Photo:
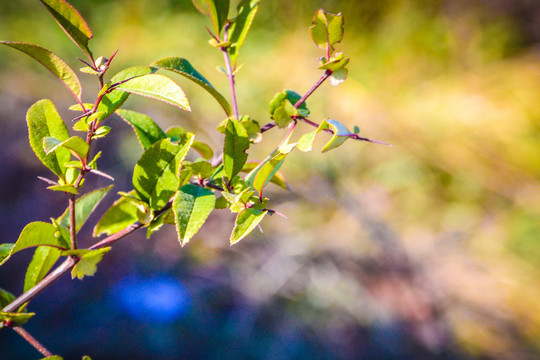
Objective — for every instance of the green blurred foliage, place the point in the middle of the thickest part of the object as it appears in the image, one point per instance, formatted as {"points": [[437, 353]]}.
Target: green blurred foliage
{"points": [[453, 86]]}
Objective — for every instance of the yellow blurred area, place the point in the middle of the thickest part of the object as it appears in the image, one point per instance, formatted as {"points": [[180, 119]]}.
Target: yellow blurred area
{"points": [[441, 230]]}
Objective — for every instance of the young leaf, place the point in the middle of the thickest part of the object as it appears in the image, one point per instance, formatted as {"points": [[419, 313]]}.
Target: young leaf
{"points": [[64, 188], [341, 134], [219, 11], [262, 174], [5, 298], [240, 26], [277, 179], [120, 215], [35, 234], [326, 29], [338, 77], [87, 265], [203, 149], [292, 97], [84, 206], [74, 144], [183, 67], [44, 121], [191, 206], [157, 87], [17, 318], [202, 6], [52, 62], [147, 131], [246, 221], [56, 357], [71, 22], [155, 178], [42, 261], [305, 143], [236, 144]]}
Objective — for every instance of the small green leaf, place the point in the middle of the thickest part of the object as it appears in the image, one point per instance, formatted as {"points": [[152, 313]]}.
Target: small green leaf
{"points": [[155, 177], [81, 125], [44, 121], [247, 9], [203, 149], [305, 143], [5, 251], [236, 144], [191, 206], [17, 318], [101, 131], [88, 260], [54, 357], [277, 179], [341, 134], [64, 188], [219, 11], [338, 77], [120, 215], [336, 63], [246, 221], [253, 129], [292, 97], [201, 168], [5, 298], [88, 70], [265, 171], [183, 67], [282, 115], [326, 29], [52, 62], [34, 234], [202, 6], [42, 261], [157, 87], [84, 206], [147, 131], [74, 144], [71, 22]]}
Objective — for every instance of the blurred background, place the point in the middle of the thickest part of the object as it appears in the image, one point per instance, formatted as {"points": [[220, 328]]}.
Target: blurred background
{"points": [[425, 250]]}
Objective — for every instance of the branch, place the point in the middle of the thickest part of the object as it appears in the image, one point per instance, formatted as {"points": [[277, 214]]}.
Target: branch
{"points": [[303, 99], [230, 73], [30, 339]]}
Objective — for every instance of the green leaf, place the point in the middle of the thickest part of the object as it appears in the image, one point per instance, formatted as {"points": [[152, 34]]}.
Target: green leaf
{"points": [[116, 98], [5, 298], [282, 115], [147, 131], [44, 121], [54, 357], [293, 97], [183, 67], [74, 144], [338, 77], [246, 221], [5, 251], [52, 62], [219, 11], [157, 87], [201, 168], [64, 188], [277, 179], [265, 171], [203, 149], [305, 143], [326, 29], [336, 63], [42, 261], [88, 260], [101, 131], [34, 234], [71, 22], [155, 177], [247, 9], [202, 6], [341, 134], [120, 215], [191, 206], [17, 318], [236, 144], [84, 206]]}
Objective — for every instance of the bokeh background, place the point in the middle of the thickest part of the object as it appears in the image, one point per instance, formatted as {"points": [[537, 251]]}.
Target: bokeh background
{"points": [[425, 250]]}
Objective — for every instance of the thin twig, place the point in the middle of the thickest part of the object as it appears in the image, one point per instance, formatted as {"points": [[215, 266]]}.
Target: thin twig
{"points": [[325, 76], [72, 222], [230, 73], [32, 341]]}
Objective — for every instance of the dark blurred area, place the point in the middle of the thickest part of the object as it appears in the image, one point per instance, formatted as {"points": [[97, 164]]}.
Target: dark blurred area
{"points": [[425, 250]]}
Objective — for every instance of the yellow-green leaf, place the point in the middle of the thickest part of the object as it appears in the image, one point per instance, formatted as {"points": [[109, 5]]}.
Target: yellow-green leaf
{"points": [[191, 206], [246, 221]]}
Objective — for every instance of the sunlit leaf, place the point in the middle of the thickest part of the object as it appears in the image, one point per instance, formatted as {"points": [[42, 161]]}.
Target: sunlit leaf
{"points": [[219, 11], [74, 144], [236, 144], [147, 131], [292, 97], [326, 29], [191, 206], [84, 206], [52, 62], [155, 177], [88, 260], [246, 221], [157, 87], [247, 9], [44, 121], [64, 188], [15, 318], [5, 298], [34, 234], [203, 149], [120, 215], [183, 67], [341, 134], [42, 261], [277, 179], [71, 21]]}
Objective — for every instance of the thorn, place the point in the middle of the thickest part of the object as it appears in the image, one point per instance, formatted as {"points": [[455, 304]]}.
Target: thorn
{"points": [[48, 181], [260, 228], [101, 173]]}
